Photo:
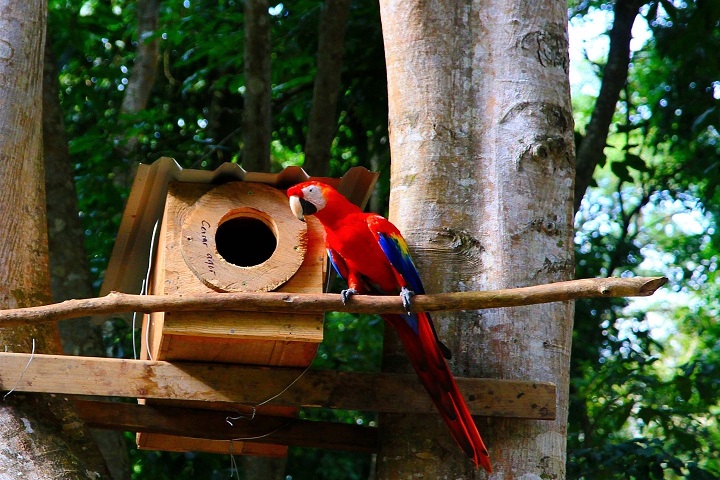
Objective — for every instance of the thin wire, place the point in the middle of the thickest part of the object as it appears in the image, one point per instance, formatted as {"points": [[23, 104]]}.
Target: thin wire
{"points": [[254, 407], [143, 291], [229, 418], [134, 326], [147, 340], [286, 388], [22, 374], [264, 435], [240, 416], [233, 463]]}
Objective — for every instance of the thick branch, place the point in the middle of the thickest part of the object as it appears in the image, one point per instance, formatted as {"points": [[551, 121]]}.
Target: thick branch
{"points": [[590, 151], [308, 303]]}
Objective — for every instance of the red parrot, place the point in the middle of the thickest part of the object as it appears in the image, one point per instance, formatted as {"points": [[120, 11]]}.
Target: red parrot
{"points": [[372, 256]]}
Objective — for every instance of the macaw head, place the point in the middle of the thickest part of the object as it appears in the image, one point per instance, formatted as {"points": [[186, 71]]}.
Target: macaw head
{"points": [[308, 198]]}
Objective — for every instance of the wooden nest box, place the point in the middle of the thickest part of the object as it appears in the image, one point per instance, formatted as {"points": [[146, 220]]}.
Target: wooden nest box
{"points": [[223, 231]]}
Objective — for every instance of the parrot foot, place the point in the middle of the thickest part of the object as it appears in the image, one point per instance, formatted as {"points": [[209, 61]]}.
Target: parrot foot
{"points": [[346, 294], [406, 295]]}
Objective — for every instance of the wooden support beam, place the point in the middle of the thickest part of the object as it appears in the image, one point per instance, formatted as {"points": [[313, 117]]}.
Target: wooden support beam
{"points": [[213, 425], [252, 385], [270, 302]]}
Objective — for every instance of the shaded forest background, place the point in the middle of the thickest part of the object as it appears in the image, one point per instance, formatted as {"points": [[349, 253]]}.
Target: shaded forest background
{"points": [[129, 82]]}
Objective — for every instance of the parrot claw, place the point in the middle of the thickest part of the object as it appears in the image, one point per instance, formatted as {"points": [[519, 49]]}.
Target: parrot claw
{"points": [[346, 294], [406, 295]]}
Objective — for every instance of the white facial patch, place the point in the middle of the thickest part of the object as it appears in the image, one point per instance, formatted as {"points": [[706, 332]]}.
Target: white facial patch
{"points": [[314, 195]]}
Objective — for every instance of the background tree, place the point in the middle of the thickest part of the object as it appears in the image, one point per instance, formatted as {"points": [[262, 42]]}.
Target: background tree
{"points": [[68, 261], [256, 123], [322, 123], [41, 434]]}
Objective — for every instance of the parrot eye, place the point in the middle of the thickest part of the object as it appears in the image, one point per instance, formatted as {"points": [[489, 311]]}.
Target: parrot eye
{"points": [[314, 195]]}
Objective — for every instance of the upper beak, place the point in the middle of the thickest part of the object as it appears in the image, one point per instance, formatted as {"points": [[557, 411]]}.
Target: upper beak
{"points": [[296, 207], [301, 207]]}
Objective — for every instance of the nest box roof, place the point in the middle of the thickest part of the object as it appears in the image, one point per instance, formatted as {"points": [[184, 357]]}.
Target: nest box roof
{"points": [[130, 257]]}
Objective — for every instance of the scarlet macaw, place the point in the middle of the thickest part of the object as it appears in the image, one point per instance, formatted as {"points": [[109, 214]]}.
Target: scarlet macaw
{"points": [[372, 256]]}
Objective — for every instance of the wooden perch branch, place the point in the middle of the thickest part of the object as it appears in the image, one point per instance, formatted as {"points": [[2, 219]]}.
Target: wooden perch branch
{"points": [[115, 302]]}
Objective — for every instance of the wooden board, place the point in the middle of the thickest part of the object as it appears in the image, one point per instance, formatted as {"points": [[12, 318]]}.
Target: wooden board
{"points": [[193, 424], [252, 338], [188, 261], [251, 385], [267, 240], [177, 443], [179, 278]]}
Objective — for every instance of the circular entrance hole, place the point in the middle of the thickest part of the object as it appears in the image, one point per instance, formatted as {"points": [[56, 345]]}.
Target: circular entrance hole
{"points": [[245, 241]]}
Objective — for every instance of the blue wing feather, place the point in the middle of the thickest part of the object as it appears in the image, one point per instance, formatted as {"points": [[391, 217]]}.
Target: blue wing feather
{"points": [[395, 250], [335, 261]]}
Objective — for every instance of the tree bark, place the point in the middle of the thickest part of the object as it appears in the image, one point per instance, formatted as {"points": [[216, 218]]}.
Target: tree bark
{"points": [[322, 124], [140, 84], [256, 122], [256, 136], [42, 436], [69, 267], [591, 149], [145, 67], [482, 182]]}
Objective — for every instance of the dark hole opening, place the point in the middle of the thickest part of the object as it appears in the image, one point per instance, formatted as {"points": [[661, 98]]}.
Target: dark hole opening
{"points": [[245, 241]]}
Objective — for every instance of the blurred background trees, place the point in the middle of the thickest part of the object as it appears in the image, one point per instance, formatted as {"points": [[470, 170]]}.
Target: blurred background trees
{"points": [[140, 80]]}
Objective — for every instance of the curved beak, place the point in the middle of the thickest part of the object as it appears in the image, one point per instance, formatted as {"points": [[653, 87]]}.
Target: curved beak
{"points": [[301, 207], [296, 207]]}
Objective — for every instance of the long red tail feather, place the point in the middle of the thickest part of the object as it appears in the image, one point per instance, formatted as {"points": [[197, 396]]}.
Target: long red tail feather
{"points": [[427, 359]]}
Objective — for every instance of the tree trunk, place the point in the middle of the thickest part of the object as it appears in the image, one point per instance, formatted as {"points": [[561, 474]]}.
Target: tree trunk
{"points": [[256, 120], [482, 185], [42, 437], [145, 67], [322, 124], [592, 147], [256, 131], [140, 84], [69, 268]]}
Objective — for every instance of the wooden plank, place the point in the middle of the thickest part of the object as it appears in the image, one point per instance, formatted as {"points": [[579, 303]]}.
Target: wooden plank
{"points": [[287, 327], [175, 443], [252, 385], [247, 352], [213, 425]]}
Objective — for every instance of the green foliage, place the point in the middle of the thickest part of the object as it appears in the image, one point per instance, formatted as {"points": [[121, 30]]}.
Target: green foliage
{"points": [[644, 399], [644, 388], [195, 110], [645, 377]]}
